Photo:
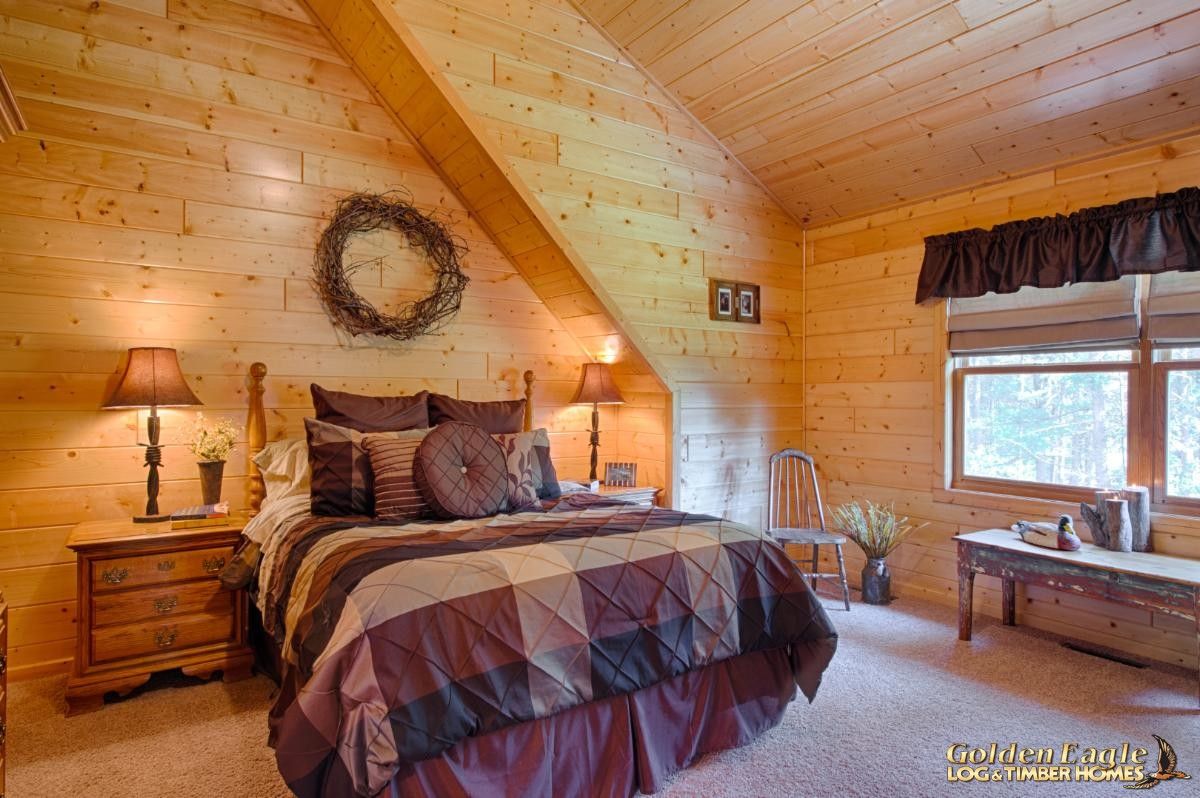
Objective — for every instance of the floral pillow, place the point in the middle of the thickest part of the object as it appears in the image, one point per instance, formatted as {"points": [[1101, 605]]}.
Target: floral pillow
{"points": [[523, 471]]}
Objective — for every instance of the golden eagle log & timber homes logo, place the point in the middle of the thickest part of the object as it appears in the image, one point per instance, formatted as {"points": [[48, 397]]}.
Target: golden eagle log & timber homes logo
{"points": [[1070, 762]]}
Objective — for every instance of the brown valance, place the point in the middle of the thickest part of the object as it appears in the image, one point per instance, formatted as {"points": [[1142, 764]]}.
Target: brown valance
{"points": [[1148, 235]]}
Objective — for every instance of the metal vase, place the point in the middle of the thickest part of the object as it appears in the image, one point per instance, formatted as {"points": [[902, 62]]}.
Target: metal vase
{"points": [[876, 581], [210, 480]]}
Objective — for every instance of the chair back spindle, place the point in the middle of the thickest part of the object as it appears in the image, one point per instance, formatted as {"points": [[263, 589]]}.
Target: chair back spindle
{"points": [[793, 493], [796, 515]]}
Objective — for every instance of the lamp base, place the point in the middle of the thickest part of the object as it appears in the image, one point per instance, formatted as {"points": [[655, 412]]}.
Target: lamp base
{"points": [[150, 519]]}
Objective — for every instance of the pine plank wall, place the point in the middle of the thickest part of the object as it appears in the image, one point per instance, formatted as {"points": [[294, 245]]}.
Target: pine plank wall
{"points": [[874, 382], [655, 206], [181, 159], [184, 154]]}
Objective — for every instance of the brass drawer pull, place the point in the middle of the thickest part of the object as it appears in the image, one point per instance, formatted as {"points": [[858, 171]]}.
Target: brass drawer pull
{"points": [[165, 638], [165, 604], [214, 565], [114, 576], [166, 565]]}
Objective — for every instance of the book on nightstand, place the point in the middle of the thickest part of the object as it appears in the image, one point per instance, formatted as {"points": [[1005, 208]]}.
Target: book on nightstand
{"points": [[200, 516]]}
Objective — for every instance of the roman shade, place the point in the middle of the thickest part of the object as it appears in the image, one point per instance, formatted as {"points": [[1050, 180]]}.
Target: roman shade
{"points": [[1149, 235], [1173, 309], [1074, 316]]}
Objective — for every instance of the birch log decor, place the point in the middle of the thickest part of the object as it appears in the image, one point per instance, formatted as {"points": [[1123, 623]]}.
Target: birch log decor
{"points": [[1139, 516], [1107, 520], [1117, 525]]}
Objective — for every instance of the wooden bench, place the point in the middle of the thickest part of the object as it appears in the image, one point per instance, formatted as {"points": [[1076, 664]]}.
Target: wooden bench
{"points": [[1155, 582]]}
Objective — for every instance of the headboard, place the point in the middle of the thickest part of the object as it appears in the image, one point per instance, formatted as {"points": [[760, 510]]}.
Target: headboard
{"points": [[256, 428]]}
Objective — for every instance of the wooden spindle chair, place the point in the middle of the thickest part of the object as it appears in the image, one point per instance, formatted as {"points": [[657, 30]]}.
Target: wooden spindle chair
{"points": [[792, 496]]}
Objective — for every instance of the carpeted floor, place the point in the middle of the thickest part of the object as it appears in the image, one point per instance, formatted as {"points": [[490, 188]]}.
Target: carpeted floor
{"points": [[900, 691]]}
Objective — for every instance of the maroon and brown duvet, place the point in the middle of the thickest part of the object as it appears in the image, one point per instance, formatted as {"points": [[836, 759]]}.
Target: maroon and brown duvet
{"points": [[400, 641]]}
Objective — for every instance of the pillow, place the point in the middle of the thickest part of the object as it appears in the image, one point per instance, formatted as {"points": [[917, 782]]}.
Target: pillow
{"points": [[545, 478], [342, 480], [370, 413], [460, 471], [523, 470], [396, 495], [284, 468], [493, 417]]}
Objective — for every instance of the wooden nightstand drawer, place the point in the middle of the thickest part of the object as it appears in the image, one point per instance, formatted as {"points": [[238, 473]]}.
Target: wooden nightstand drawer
{"points": [[150, 569], [155, 637], [161, 601], [149, 600]]}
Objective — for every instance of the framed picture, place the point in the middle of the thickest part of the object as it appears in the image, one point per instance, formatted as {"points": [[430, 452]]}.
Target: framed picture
{"points": [[620, 475], [722, 300], [747, 303]]}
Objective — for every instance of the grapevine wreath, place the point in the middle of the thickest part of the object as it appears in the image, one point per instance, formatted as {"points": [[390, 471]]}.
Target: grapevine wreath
{"points": [[362, 213]]}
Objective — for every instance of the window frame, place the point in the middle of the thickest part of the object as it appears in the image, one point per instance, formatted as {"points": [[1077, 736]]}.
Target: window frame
{"points": [[1160, 500], [1039, 490]]}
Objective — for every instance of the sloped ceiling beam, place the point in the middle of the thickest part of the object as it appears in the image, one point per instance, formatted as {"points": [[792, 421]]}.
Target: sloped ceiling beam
{"points": [[384, 50], [11, 120]]}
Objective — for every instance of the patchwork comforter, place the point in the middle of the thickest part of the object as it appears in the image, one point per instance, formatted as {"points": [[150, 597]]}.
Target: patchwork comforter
{"points": [[399, 641]]}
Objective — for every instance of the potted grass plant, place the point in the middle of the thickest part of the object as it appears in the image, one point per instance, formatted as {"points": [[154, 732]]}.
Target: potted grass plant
{"points": [[877, 531], [212, 443]]}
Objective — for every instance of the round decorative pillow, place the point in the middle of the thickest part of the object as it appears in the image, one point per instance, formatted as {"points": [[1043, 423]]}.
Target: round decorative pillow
{"points": [[461, 471]]}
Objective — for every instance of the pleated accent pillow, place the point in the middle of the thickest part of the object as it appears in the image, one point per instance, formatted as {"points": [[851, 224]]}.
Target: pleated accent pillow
{"points": [[461, 472], [397, 497]]}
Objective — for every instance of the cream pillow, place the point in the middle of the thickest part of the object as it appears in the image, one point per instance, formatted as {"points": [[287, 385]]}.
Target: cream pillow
{"points": [[285, 469]]}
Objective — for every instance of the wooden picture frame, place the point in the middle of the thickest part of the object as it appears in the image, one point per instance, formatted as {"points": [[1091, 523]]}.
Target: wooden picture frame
{"points": [[722, 304], [620, 475], [747, 306]]}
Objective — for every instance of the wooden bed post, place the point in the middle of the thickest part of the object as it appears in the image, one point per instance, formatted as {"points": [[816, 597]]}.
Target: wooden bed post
{"points": [[256, 435], [528, 421]]}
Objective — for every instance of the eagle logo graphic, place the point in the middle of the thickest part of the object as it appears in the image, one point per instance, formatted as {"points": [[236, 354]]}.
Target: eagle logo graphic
{"points": [[1166, 768]]}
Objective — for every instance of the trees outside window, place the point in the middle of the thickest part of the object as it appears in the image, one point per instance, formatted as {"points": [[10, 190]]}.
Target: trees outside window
{"points": [[1062, 425]]}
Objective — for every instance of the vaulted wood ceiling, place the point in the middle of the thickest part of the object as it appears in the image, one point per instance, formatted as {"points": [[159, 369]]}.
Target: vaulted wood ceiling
{"points": [[841, 107]]}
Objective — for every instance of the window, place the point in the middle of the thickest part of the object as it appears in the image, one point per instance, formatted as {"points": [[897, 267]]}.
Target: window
{"points": [[1181, 449], [1103, 404]]}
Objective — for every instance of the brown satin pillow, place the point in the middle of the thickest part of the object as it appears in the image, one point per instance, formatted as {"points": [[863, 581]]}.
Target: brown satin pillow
{"points": [[342, 480], [397, 497], [460, 471], [493, 417], [370, 413]]}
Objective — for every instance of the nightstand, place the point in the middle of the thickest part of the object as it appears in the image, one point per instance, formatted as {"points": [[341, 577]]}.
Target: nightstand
{"points": [[149, 600], [641, 494]]}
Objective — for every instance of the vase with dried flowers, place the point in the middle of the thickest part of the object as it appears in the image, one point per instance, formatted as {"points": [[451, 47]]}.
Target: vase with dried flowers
{"points": [[212, 443], [877, 531]]}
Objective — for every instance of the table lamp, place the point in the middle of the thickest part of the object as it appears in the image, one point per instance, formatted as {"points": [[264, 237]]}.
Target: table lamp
{"points": [[152, 379], [596, 387]]}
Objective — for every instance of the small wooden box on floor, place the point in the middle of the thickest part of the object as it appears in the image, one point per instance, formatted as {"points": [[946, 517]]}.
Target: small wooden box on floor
{"points": [[149, 600]]}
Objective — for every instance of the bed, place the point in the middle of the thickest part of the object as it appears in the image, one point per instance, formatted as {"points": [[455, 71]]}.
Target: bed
{"points": [[575, 646]]}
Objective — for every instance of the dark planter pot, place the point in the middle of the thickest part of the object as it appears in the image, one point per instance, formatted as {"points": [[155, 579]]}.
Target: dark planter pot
{"points": [[210, 480], [876, 582]]}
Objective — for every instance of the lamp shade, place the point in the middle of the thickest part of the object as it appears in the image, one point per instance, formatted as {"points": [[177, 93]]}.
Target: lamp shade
{"points": [[152, 379], [596, 386]]}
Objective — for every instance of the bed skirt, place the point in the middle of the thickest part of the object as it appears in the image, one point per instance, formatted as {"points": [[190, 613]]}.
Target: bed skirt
{"points": [[619, 745]]}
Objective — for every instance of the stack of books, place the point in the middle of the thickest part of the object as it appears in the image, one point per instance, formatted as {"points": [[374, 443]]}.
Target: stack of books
{"points": [[200, 515]]}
